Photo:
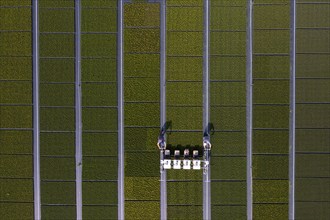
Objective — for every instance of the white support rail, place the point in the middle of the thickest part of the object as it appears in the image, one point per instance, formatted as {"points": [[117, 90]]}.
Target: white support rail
{"points": [[78, 117], [292, 126], [36, 123], [249, 92], [120, 82], [206, 114]]}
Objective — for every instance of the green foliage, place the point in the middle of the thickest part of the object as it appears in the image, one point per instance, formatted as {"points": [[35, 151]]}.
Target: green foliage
{"points": [[318, 165], [134, 92], [15, 18], [228, 118], [184, 93], [184, 138], [142, 164], [15, 92], [101, 119], [58, 192], [15, 44], [185, 118], [142, 40], [182, 193], [228, 193], [56, 212], [141, 15], [142, 65], [99, 193], [12, 166], [270, 191], [227, 43], [57, 144], [272, 211], [16, 190], [270, 166], [56, 70], [312, 189], [271, 16], [104, 144], [182, 176], [99, 168], [98, 70], [305, 139], [228, 143], [141, 114], [98, 3], [57, 94], [100, 212], [313, 41], [271, 41], [228, 3], [57, 168], [16, 68], [184, 3], [141, 138], [271, 92], [93, 20], [185, 43], [310, 210], [313, 15], [185, 212], [272, 1], [9, 210], [57, 119], [15, 142], [184, 68], [271, 116], [231, 68], [228, 18], [270, 141], [271, 67], [229, 212], [141, 210], [96, 94], [227, 93], [56, 20], [99, 45], [16, 184], [56, 3], [16, 116], [230, 168], [184, 18], [15, 3], [312, 90], [313, 116], [142, 188], [57, 45]]}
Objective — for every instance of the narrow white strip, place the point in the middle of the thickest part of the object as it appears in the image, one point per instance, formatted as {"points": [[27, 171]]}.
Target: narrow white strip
{"points": [[206, 110], [36, 129], [292, 128], [120, 78], [163, 181], [78, 119], [249, 90]]}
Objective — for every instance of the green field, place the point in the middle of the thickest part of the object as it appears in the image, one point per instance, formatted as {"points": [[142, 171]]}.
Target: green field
{"points": [[184, 106]]}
